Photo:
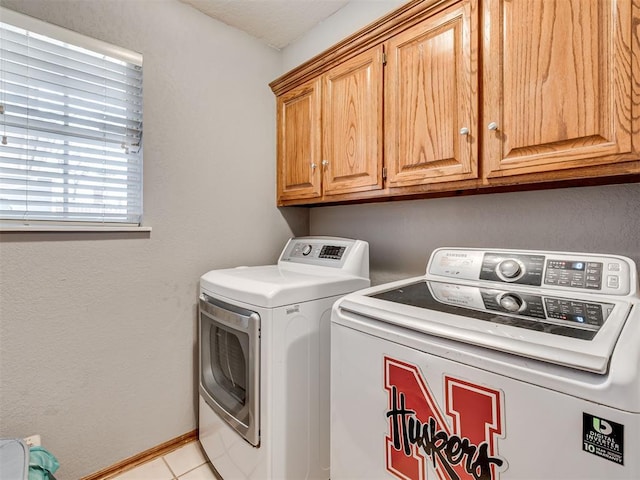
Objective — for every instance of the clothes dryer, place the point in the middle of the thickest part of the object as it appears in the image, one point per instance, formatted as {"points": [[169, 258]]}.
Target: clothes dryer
{"points": [[264, 359]]}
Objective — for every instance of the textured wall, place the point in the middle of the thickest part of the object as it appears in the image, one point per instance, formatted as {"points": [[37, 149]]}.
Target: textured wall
{"points": [[403, 234], [98, 331], [349, 19]]}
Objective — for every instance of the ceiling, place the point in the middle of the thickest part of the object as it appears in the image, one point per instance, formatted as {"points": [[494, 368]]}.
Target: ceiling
{"points": [[275, 22]]}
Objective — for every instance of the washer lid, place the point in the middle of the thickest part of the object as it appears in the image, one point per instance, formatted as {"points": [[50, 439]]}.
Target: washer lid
{"points": [[275, 286], [579, 332]]}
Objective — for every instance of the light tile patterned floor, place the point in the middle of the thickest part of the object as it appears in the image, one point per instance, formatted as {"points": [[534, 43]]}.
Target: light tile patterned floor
{"points": [[185, 463]]}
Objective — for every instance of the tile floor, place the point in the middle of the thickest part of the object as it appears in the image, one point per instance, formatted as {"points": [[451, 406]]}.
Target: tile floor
{"points": [[185, 463]]}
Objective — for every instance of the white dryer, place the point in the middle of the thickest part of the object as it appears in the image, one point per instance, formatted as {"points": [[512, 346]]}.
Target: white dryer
{"points": [[495, 364], [264, 359]]}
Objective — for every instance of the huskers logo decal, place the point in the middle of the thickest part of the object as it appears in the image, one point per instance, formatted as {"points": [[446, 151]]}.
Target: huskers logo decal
{"points": [[462, 450]]}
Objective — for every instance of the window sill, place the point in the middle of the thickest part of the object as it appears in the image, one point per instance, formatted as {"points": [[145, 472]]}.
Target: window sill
{"points": [[70, 228]]}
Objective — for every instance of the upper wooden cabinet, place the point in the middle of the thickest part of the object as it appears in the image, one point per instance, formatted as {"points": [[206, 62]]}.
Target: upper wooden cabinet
{"points": [[431, 99], [558, 85], [329, 130], [352, 125], [473, 95], [299, 147]]}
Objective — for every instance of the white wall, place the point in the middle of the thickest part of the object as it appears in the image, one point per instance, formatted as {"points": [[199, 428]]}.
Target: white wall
{"points": [[98, 331], [402, 234], [349, 19]]}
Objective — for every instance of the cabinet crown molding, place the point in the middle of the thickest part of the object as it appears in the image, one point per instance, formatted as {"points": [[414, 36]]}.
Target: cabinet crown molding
{"points": [[373, 34]]}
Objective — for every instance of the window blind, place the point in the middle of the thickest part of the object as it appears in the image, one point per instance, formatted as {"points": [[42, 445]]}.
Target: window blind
{"points": [[71, 126]]}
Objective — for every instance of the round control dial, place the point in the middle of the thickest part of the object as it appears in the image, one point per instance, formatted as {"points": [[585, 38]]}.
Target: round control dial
{"points": [[511, 302], [306, 250], [510, 270]]}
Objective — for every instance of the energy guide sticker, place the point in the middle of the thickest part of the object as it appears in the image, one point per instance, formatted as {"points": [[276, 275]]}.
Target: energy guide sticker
{"points": [[603, 438]]}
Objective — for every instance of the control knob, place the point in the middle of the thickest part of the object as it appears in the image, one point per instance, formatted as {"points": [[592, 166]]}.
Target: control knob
{"points": [[510, 269], [511, 302], [306, 250]]}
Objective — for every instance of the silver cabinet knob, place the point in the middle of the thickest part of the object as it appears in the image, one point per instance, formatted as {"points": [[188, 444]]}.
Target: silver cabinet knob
{"points": [[313, 166], [464, 131], [325, 163], [493, 126]]}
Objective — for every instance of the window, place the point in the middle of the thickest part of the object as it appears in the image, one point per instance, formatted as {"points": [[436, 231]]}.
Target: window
{"points": [[70, 127]]}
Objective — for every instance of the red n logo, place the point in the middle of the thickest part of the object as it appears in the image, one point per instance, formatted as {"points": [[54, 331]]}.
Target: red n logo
{"points": [[419, 433]]}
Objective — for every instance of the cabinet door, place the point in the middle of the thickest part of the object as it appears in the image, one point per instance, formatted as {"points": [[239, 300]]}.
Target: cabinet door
{"points": [[352, 125], [431, 99], [557, 84], [299, 146]]}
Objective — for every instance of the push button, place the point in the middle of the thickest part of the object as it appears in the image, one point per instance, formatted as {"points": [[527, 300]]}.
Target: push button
{"points": [[613, 281], [613, 267]]}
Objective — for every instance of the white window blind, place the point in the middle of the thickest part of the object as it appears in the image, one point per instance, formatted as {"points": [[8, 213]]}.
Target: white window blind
{"points": [[71, 126]]}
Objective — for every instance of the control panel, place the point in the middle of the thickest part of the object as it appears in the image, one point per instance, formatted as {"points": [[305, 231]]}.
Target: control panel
{"points": [[552, 309], [317, 250], [344, 254], [519, 268], [605, 274], [578, 274]]}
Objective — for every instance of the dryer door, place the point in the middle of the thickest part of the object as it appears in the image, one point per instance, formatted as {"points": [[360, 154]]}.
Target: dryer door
{"points": [[229, 345]]}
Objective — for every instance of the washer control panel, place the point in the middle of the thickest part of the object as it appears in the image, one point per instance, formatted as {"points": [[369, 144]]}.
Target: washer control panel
{"points": [[572, 312], [578, 274], [515, 268], [608, 274]]}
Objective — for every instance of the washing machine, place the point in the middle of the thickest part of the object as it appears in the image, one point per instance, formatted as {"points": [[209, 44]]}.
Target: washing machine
{"points": [[264, 359], [495, 364]]}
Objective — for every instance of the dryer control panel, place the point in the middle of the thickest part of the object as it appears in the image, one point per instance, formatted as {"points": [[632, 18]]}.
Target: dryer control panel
{"points": [[604, 274], [347, 255], [305, 249]]}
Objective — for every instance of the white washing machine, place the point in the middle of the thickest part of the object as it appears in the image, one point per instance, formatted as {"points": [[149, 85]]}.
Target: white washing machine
{"points": [[264, 359], [495, 364]]}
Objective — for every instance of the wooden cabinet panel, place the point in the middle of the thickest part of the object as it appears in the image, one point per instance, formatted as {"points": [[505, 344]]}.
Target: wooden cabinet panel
{"points": [[557, 84], [430, 95], [299, 148], [352, 125]]}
